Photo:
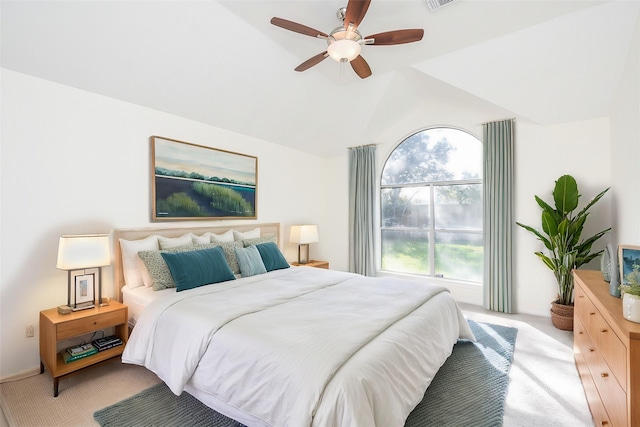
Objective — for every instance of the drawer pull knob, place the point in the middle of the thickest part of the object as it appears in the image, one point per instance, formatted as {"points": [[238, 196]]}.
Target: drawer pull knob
{"points": [[604, 423], [580, 333], [592, 314], [603, 330], [591, 350], [604, 375]]}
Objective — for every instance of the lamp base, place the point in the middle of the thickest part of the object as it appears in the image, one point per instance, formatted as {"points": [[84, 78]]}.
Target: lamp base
{"points": [[83, 306], [303, 254]]}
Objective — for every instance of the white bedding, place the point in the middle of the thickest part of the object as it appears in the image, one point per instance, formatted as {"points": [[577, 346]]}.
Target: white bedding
{"points": [[301, 346], [136, 299]]}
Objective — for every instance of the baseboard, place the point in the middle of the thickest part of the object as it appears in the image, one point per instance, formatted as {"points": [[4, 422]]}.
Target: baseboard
{"points": [[21, 375]]}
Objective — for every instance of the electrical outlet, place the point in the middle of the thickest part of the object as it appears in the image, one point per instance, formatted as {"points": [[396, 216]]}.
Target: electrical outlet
{"points": [[29, 331]]}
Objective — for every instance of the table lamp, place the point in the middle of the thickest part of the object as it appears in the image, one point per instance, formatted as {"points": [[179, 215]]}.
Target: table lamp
{"points": [[303, 235], [76, 254]]}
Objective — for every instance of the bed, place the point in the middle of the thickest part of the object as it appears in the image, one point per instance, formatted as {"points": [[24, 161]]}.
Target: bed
{"points": [[288, 346]]}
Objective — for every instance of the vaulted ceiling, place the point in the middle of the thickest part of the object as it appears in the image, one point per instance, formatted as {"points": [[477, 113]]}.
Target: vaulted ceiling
{"points": [[223, 63]]}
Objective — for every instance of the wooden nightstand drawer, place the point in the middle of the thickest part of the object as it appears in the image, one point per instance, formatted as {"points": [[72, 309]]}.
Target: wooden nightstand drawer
{"points": [[81, 326]]}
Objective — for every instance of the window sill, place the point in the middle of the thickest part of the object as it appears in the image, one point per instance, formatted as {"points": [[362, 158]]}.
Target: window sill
{"points": [[462, 291]]}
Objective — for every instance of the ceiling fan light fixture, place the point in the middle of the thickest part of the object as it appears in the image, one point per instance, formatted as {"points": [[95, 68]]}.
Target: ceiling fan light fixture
{"points": [[344, 50], [344, 45]]}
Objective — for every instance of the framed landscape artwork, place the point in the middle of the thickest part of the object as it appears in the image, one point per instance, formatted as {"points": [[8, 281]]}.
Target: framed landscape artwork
{"points": [[191, 182], [629, 259]]}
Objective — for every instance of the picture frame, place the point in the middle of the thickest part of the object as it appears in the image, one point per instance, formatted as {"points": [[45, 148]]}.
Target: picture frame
{"points": [[84, 290], [97, 277], [628, 259], [196, 182]]}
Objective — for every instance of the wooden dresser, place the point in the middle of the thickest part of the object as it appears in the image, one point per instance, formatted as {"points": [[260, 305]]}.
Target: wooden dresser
{"points": [[607, 352]]}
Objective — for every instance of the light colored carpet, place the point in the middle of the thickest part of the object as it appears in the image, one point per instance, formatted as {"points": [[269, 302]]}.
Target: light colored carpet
{"points": [[544, 387], [30, 403]]}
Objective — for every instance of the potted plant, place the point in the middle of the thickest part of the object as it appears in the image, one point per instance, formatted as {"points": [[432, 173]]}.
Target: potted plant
{"points": [[631, 297], [561, 235]]}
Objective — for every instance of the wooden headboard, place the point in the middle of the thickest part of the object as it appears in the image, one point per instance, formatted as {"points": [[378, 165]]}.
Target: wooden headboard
{"points": [[141, 233]]}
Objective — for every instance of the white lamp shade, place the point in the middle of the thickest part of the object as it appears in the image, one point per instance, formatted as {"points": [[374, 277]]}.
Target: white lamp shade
{"points": [[304, 234], [83, 251], [344, 50]]}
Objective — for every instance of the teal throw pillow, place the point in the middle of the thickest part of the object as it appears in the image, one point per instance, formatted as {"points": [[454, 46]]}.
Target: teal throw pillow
{"points": [[272, 257], [197, 268], [250, 261]]}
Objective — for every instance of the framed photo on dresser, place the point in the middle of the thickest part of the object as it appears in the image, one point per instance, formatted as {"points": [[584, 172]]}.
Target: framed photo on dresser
{"points": [[629, 261]]}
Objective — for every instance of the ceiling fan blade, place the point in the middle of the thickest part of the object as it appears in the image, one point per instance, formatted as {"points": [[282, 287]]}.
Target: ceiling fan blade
{"points": [[356, 9], [396, 37], [298, 28], [361, 67], [312, 61]]}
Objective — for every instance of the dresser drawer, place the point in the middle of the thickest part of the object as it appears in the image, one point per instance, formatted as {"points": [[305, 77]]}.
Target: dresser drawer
{"points": [[585, 309], [614, 398], [583, 343], [83, 325], [600, 417], [612, 349]]}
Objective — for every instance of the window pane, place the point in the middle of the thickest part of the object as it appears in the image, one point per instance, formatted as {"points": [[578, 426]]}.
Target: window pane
{"points": [[458, 206], [459, 256], [434, 155], [405, 251], [405, 207]]}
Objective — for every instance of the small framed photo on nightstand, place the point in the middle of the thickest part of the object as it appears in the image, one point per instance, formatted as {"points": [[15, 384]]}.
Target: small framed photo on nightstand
{"points": [[84, 291]]}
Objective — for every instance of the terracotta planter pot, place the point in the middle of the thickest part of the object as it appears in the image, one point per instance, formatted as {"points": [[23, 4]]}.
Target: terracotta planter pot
{"points": [[562, 316]]}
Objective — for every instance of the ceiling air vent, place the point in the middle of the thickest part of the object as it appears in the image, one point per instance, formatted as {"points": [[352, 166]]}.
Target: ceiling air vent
{"points": [[437, 4]]}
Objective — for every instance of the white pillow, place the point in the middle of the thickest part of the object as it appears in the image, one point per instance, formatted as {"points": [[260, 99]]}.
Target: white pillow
{"points": [[253, 234], [130, 266], [201, 240], [144, 272], [227, 236], [174, 242]]}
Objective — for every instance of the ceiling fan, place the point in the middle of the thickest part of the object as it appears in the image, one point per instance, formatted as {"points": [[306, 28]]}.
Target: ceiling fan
{"points": [[345, 42]]}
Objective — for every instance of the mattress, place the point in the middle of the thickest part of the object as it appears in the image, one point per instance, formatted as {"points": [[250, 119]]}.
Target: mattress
{"points": [[139, 297]]}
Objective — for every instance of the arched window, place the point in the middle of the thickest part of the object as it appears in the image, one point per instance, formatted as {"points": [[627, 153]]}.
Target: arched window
{"points": [[431, 203]]}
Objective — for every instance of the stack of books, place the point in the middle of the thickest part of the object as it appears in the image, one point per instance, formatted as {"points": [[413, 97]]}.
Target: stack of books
{"points": [[107, 342], [78, 352]]}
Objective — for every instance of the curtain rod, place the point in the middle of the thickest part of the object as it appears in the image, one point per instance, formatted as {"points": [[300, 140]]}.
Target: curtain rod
{"points": [[358, 146], [496, 121]]}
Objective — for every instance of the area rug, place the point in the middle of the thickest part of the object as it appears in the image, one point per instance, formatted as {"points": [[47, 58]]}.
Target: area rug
{"points": [[469, 390]]}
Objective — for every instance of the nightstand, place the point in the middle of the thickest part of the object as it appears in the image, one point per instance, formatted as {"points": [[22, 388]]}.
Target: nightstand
{"points": [[56, 327], [314, 263]]}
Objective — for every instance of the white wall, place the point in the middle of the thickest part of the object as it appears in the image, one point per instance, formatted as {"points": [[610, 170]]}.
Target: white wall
{"points": [[75, 162], [625, 150], [543, 154]]}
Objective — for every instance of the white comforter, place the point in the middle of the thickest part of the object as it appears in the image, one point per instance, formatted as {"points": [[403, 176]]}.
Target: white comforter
{"points": [[302, 346]]}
